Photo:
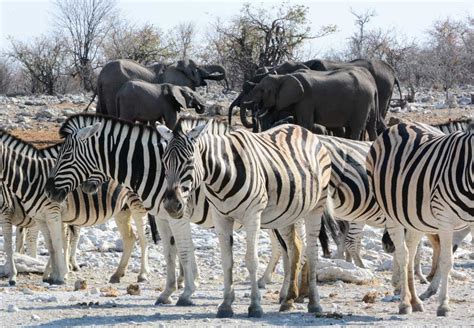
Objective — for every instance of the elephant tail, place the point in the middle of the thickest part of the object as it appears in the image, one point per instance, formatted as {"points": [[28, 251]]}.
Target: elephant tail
{"points": [[92, 100]]}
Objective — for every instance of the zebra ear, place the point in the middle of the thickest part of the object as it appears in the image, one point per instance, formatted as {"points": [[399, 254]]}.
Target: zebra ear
{"points": [[164, 132], [197, 131], [88, 131]]}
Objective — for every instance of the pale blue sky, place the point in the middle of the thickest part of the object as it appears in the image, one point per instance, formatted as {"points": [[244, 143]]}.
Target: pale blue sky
{"points": [[26, 19]]}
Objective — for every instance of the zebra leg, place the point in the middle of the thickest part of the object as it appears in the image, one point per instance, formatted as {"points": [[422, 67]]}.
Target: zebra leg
{"points": [[283, 242], [413, 240], [49, 245], [73, 242], [344, 227], [353, 242], [10, 263], [418, 272], [224, 232], [67, 237], [304, 283], [435, 275], [122, 219], [32, 240], [397, 234], [181, 230], [276, 253], [445, 266], [140, 222], [59, 269], [20, 239], [181, 276], [252, 229], [313, 224], [169, 252], [294, 253], [395, 275]]}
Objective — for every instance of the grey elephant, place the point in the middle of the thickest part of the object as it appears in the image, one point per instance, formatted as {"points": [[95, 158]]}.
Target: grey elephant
{"points": [[285, 68], [147, 102], [183, 73], [384, 75], [345, 98]]}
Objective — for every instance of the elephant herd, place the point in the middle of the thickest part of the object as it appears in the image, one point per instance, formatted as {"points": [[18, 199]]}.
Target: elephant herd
{"points": [[345, 99], [153, 93]]}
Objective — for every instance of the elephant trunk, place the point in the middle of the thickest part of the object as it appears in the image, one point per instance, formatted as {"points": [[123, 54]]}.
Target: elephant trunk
{"points": [[236, 102], [213, 72], [244, 119]]}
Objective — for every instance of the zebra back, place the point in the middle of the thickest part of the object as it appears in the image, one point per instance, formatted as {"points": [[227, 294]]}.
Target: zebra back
{"points": [[456, 125]]}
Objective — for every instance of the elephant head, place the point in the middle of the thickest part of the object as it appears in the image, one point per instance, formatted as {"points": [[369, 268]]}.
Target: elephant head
{"points": [[192, 71], [214, 73], [276, 93], [184, 97]]}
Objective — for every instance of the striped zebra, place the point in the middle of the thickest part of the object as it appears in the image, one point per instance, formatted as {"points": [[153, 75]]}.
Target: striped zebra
{"points": [[270, 180], [24, 177], [424, 182], [119, 149]]}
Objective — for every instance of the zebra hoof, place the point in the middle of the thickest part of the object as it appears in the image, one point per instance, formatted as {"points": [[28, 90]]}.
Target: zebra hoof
{"points": [[261, 284], [225, 311], [404, 309], [299, 299], [427, 294], [418, 307], [161, 301], [315, 308], [114, 279], [184, 302], [443, 311], [12, 282], [286, 306], [255, 312], [142, 278]]}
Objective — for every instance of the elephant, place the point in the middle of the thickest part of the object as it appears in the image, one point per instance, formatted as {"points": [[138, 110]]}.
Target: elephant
{"points": [[345, 98], [285, 68], [147, 102], [183, 73], [383, 73]]}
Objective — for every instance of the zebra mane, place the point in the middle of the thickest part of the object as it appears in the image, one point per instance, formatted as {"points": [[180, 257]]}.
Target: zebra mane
{"points": [[218, 126], [25, 147], [456, 125], [76, 122]]}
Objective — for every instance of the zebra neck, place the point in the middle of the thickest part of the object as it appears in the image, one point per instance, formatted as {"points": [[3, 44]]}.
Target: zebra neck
{"points": [[132, 157]]}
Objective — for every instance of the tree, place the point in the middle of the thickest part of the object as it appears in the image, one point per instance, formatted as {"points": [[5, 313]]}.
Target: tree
{"points": [[87, 23], [44, 61], [448, 59], [144, 44], [183, 40], [5, 76], [357, 43], [259, 37]]}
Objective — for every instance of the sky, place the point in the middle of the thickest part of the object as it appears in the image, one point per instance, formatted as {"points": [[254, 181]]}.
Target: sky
{"points": [[24, 20]]}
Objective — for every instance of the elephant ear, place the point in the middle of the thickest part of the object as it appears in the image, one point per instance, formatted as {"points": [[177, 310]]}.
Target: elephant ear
{"points": [[290, 91], [175, 94]]}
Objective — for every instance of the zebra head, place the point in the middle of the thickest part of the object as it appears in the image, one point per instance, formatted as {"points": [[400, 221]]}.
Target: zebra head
{"points": [[183, 167], [76, 164]]}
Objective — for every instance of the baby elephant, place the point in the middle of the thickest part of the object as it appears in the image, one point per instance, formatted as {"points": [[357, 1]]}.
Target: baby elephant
{"points": [[148, 102]]}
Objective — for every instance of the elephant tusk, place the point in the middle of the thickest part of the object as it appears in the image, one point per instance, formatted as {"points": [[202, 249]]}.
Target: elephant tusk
{"points": [[248, 102], [265, 113]]}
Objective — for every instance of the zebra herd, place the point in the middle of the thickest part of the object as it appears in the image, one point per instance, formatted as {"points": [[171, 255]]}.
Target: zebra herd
{"points": [[412, 177]]}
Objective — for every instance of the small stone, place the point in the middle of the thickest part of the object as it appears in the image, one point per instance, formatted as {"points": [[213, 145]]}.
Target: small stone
{"points": [[109, 291], [35, 317], [80, 284], [133, 289], [12, 308], [73, 298], [95, 291], [370, 297], [27, 291]]}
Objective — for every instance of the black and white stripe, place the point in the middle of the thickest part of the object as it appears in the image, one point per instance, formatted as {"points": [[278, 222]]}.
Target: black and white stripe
{"points": [[24, 170], [269, 180], [424, 182]]}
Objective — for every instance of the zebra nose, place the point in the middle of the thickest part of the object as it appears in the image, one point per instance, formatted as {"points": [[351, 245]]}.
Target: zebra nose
{"points": [[179, 206]]}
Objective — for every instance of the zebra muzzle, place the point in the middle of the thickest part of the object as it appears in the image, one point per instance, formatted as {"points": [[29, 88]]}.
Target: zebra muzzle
{"points": [[57, 195]]}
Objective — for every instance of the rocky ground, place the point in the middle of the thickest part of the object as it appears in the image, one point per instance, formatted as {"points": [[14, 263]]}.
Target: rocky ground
{"points": [[32, 303]]}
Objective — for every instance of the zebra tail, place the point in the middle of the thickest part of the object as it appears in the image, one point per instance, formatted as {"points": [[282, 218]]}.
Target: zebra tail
{"points": [[154, 229]]}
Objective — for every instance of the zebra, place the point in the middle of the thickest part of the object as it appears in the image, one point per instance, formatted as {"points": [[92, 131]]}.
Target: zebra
{"points": [[423, 181], [252, 179], [118, 149], [25, 176]]}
